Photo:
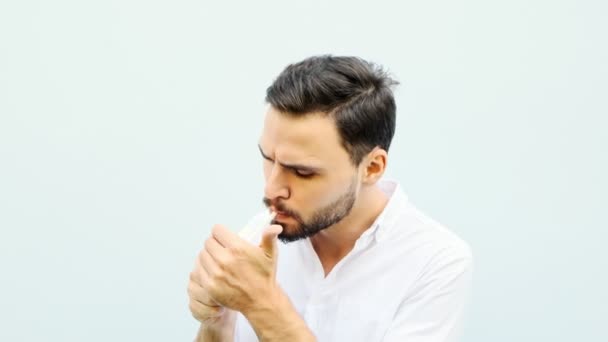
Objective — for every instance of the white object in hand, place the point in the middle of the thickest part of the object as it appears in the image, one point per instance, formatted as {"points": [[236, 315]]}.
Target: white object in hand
{"points": [[256, 225]]}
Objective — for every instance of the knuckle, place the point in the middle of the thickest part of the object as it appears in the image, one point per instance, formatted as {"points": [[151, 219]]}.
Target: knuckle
{"points": [[219, 278], [235, 250], [223, 263], [214, 288], [211, 285], [203, 312], [195, 277]]}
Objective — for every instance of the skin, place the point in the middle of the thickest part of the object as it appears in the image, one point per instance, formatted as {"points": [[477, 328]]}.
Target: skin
{"points": [[306, 169]]}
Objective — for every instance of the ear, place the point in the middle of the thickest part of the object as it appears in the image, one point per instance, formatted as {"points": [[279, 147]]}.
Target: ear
{"points": [[374, 165]]}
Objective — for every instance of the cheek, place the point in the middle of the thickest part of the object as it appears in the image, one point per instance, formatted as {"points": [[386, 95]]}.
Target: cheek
{"points": [[329, 191], [312, 197]]}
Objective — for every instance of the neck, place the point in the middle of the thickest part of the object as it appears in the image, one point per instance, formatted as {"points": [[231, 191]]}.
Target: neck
{"points": [[335, 242]]}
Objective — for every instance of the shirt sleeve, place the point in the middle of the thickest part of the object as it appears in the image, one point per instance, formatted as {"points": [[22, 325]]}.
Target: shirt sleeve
{"points": [[434, 310]]}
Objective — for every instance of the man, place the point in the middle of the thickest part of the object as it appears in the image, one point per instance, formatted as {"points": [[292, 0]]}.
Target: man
{"points": [[358, 261]]}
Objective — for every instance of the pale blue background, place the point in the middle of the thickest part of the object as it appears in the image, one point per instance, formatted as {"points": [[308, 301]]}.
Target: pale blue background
{"points": [[128, 128]]}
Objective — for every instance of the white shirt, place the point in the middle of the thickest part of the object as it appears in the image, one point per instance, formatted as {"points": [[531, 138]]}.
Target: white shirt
{"points": [[406, 279]]}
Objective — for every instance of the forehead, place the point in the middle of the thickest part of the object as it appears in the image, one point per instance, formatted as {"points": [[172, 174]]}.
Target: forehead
{"points": [[312, 136]]}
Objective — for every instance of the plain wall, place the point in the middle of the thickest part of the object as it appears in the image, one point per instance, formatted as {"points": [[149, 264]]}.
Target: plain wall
{"points": [[128, 128]]}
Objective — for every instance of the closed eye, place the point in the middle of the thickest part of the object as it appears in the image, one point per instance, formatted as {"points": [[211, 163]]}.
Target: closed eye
{"points": [[303, 173]]}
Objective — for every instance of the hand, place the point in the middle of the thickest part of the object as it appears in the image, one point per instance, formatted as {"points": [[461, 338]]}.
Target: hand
{"points": [[235, 274], [202, 306]]}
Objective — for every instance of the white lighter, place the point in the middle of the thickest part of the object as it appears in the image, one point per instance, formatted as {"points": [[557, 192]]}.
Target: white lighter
{"points": [[256, 225]]}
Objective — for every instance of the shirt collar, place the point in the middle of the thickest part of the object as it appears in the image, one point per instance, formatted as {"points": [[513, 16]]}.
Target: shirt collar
{"points": [[395, 205]]}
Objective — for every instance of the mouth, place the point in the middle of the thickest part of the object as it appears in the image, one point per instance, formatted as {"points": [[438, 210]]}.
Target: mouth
{"points": [[280, 215]]}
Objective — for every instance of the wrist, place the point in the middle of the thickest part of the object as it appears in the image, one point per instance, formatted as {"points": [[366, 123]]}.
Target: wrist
{"points": [[275, 319], [267, 305], [220, 329]]}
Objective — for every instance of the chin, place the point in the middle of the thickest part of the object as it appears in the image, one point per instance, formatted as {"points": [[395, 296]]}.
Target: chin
{"points": [[288, 228], [290, 233]]}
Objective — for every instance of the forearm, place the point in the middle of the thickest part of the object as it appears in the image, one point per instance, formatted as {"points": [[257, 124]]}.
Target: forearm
{"points": [[278, 321]]}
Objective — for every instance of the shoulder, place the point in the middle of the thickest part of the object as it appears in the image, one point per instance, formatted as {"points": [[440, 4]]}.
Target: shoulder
{"points": [[408, 226], [429, 244]]}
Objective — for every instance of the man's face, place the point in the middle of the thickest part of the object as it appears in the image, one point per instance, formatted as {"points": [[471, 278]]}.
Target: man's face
{"points": [[310, 180]]}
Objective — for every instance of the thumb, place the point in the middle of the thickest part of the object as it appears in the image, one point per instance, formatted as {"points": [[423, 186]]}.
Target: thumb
{"points": [[269, 240]]}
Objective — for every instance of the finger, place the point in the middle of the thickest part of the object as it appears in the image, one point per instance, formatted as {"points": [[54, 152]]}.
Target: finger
{"points": [[198, 293], [208, 265], [203, 312], [200, 275], [269, 240], [216, 250], [226, 237]]}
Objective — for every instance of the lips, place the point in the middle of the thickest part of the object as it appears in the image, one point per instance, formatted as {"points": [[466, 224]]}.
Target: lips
{"points": [[281, 216]]}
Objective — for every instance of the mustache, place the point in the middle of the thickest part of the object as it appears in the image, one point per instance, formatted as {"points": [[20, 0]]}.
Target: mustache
{"points": [[280, 207]]}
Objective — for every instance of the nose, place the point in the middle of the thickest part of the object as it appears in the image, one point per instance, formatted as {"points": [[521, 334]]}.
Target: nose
{"points": [[276, 186]]}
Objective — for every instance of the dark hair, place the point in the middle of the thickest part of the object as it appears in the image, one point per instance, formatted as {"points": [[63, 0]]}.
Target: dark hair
{"points": [[357, 94]]}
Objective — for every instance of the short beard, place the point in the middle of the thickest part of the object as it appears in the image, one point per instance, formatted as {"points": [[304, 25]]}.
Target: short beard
{"points": [[321, 219]]}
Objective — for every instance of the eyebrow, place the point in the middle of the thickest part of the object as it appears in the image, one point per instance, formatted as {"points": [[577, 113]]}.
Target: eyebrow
{"points": [[292, 166]]}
